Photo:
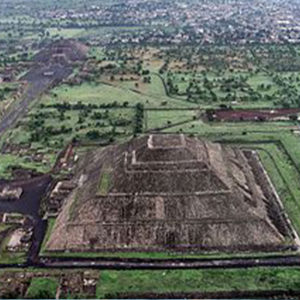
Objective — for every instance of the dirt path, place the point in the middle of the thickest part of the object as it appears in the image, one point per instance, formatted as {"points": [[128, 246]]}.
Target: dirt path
{"points": [[37, 84], [156, 264]]}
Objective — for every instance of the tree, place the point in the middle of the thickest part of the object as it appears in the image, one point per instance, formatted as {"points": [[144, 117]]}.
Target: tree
{"points": [[139, 118], [93, 134]]}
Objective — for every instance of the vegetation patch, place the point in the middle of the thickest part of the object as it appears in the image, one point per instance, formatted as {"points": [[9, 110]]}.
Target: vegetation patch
{"points": [[50, 225], [7, 257], [42, 288], [105, 182], [117, 284]]}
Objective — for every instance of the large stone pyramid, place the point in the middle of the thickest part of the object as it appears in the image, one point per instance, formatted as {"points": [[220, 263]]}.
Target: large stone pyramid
{"points": [[161, 192]]}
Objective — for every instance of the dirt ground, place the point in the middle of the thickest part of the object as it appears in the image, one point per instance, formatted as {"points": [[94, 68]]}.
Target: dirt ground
{"points": [[254, 115]]}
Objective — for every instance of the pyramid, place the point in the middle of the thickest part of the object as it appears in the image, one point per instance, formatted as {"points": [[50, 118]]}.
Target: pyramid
{"points": [[170, 192]]}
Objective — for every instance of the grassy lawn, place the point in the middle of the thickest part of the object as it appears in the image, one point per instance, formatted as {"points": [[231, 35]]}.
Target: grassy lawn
{"points": [[105, 183], [12, 258], [204, 129], [42, 288], [162, 255], [50, 225], [253, 80], [156, 88], [161, 118], [66, 33], [8, 160], [113, 283], [261, 78], [3, 227], [103, 94], [287, 182]]}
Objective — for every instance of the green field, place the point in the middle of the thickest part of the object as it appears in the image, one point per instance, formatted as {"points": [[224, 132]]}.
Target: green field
{"points": [[162, 118], [285, 178], [162, 255], [9, 160], [205, 129], [165, 283], [105, 183], [237, 88], [101, 93], [42, 288], [113, 284]]}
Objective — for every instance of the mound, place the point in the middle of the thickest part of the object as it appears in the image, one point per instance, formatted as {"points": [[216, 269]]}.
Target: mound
{"points": [[54, 63], [62, 51], [163, 192]]}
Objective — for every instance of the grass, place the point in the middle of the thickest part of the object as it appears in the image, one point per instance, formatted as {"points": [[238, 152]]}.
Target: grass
{"points": [[161, 118], [282, 171], [204, 129], [42, 288], [9, 160], [105, 182], [151, 95], [66, 33], [7, 257], [112, 284], [287, 182], [243, 96], [98, 93], [154, 89], [273, 173], [3, 227], [50, 225], [162, 255]]}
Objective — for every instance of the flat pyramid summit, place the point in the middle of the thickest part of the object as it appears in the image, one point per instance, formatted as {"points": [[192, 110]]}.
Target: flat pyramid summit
{"points": [[162, 192]]}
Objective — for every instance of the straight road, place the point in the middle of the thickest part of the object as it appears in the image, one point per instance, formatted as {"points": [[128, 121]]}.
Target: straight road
{"points": [[118, 264], [38, 83]]}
